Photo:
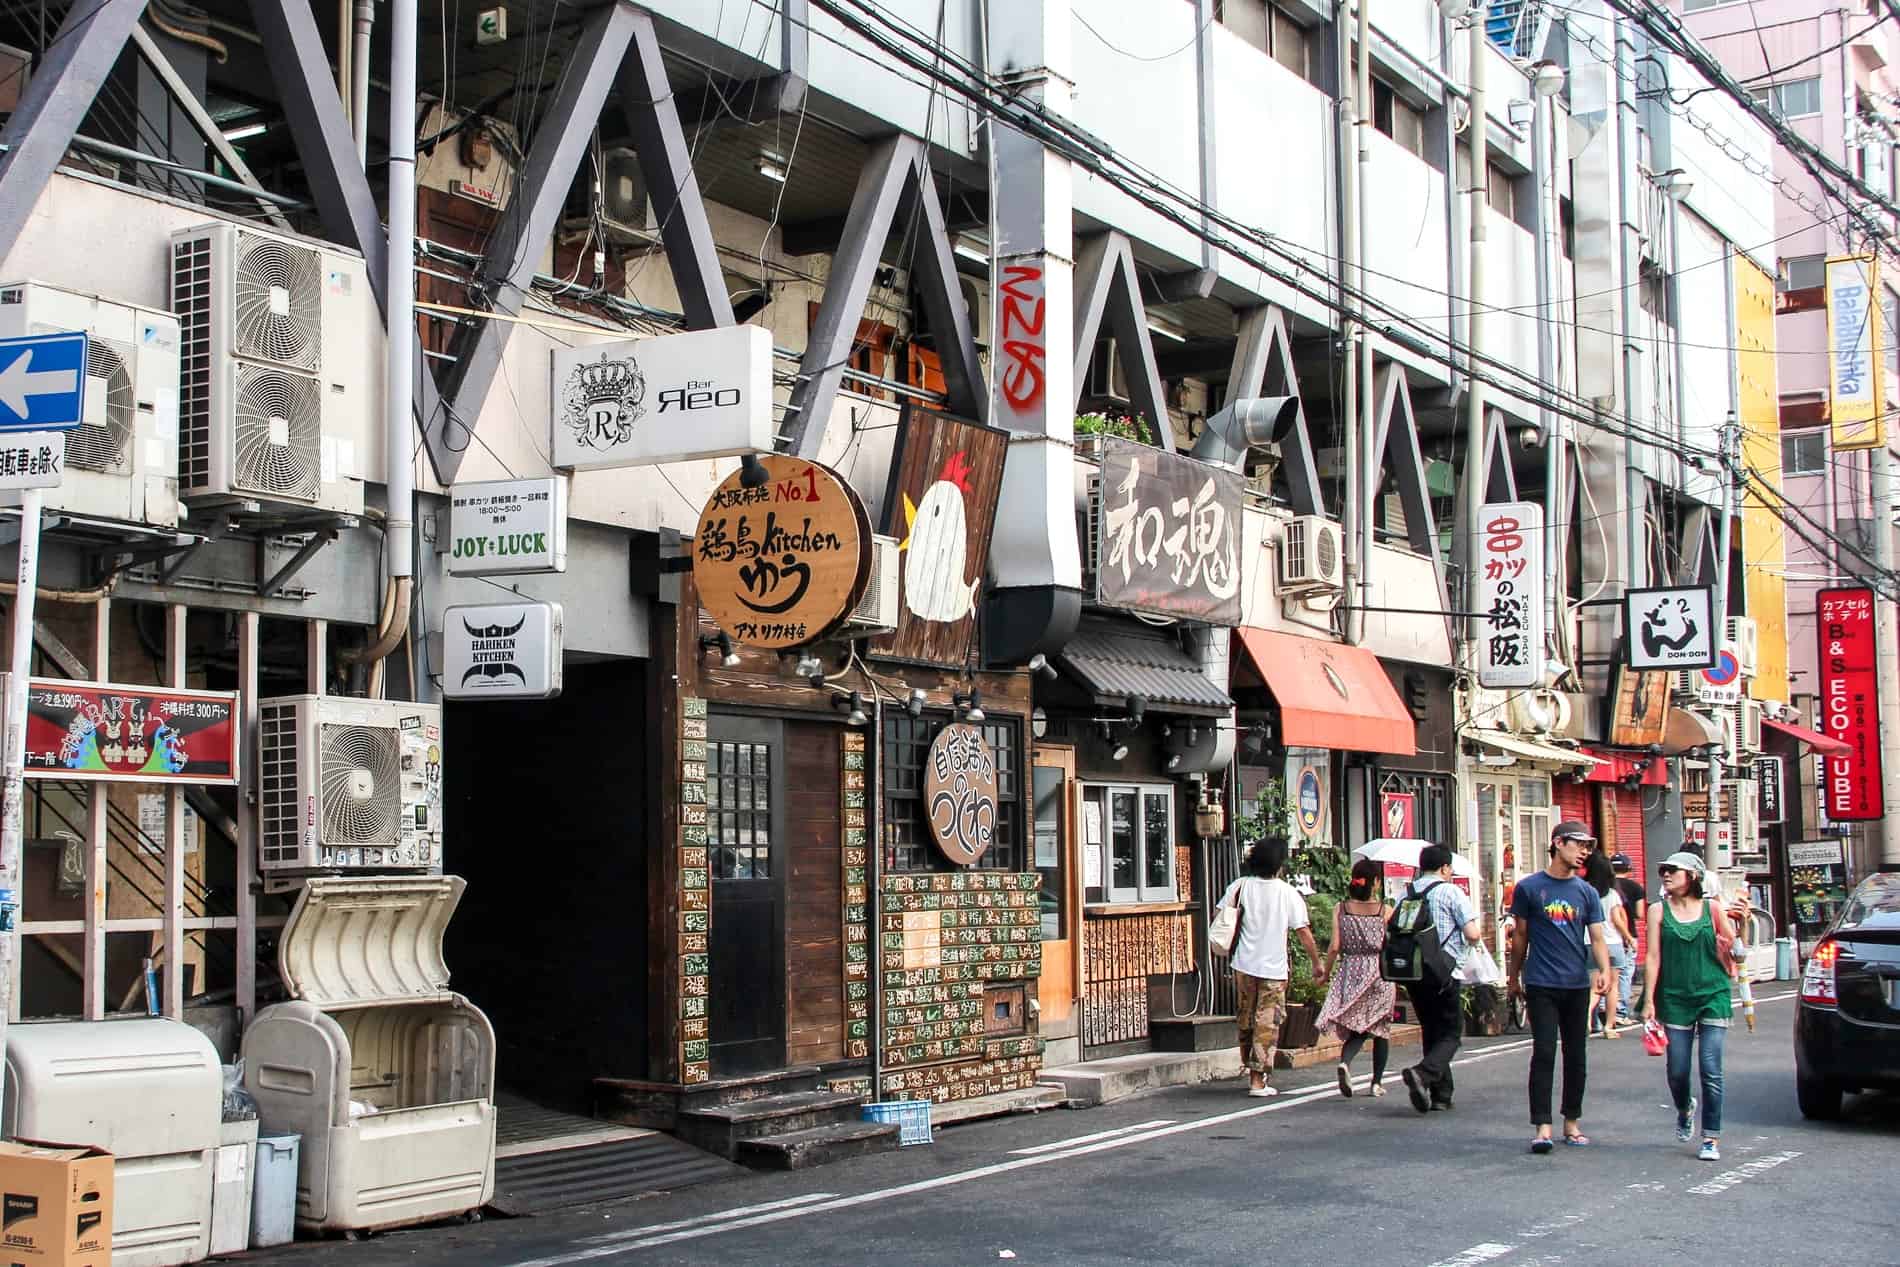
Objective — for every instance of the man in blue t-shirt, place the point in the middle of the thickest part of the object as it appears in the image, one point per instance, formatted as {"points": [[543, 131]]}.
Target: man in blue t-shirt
{"points": [[1560, 962]]}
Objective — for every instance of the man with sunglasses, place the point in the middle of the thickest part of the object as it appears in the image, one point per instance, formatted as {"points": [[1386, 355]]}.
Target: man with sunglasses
{"points": [[1559, 961]]}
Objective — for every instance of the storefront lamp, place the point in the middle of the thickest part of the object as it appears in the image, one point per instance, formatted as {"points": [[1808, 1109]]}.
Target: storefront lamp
{"points": [[914, 705], [1038, 723]]}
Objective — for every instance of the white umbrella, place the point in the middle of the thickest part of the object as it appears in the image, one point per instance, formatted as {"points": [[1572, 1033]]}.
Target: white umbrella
{"points": [[1405, 853]]}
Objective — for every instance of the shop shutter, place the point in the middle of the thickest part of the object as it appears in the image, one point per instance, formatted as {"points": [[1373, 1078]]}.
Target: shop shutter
{"points": [[1630, 840], [1575, 800]]}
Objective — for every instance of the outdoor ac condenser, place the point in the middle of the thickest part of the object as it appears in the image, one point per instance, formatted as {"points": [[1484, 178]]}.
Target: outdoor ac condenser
{"points": [[349, 784]]}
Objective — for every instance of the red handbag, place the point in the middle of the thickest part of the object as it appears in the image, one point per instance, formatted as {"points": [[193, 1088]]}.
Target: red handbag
{"points": [[1655, 1039]]}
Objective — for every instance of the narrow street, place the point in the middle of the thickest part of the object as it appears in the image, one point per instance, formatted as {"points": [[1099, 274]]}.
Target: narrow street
{"points": [[1203, 1174]]}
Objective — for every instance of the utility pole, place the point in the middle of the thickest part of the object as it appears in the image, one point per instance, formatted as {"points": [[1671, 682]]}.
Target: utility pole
{"points": [[1731, 477], [13, 762]]}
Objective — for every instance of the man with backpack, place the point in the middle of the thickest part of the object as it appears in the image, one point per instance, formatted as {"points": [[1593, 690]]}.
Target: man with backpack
{"points": [[1425, 941], [1560, 961]]}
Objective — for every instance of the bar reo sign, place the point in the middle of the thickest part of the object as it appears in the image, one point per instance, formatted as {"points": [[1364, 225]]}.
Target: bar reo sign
{"points": [[1509, 595]]}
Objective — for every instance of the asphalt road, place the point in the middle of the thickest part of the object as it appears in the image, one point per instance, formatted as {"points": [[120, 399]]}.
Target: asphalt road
{"points": [[1207, 1175]]}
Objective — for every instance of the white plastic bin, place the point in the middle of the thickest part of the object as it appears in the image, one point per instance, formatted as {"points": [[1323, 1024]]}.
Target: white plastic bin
{"points": [[148, 1091], [231, 1187], [386, 1074], [274, 1192]]}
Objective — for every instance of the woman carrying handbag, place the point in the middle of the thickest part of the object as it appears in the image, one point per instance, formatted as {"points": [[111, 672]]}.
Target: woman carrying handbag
{"points": [[1691, 959]]}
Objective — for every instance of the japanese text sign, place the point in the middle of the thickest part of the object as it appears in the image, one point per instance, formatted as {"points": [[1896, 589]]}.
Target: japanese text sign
{"points": [[32, 459], [1169, 534], [1850, 702], [1671, 628], [130, 734], [785, 563], [1509, 594], [960, 791], [508, 527], [1768, 789], [1855, 393]]}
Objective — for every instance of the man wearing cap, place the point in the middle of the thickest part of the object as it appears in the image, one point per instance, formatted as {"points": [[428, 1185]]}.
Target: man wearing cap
{"points": [[1636, 906], [1559, 963]]}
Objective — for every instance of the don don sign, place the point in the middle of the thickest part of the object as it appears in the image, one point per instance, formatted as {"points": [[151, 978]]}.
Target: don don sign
{"points": [[782, 564]]}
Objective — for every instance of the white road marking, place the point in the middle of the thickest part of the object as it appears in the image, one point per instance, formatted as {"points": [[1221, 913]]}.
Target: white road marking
{"points": [[1741, 1174], [718, 1216], [667, 1234], [1553, 1226], [1060, 1144], [1484, 1253]]}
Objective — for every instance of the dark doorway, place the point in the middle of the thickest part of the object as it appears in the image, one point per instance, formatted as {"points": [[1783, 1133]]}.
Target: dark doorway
{"points": [[745, 831], [545, 817]]}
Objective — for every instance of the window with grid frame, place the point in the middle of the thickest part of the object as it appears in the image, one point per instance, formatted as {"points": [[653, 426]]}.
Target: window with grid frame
{"points": [[907, 841]]}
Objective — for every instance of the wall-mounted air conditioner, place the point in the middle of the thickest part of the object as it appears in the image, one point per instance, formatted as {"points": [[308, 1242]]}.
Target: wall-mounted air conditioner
{"points": [[1747, 723], [1312, 558], [279, 352], [876, 612], [1106, 380], [1745, 637], [122, 461], [349, 784]]}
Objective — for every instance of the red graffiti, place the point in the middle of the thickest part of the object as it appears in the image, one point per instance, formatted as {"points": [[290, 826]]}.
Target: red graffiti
{"points": [[1023, 351]]}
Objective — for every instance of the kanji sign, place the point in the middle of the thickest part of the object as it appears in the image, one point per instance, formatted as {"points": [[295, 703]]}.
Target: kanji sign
{"points": [[1670, 628], [1509, 593], [32, 459], [130, 734], [960, 793], [1170, 534], [1850, 703], [1768, 776], [1721, 682]]}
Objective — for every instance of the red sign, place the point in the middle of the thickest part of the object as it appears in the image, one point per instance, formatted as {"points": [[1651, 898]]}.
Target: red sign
{"points": [[1398, 815], [130, 734], [1850, 702]]}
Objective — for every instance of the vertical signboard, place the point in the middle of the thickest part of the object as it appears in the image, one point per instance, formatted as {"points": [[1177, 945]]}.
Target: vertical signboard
{"points": [[1850, 703], [1853, 352], [1508, 589], [1768, 791]]}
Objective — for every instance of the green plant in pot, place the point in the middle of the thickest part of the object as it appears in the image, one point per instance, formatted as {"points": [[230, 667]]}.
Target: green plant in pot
{"points": [[1121, 426], [1301, 986]]}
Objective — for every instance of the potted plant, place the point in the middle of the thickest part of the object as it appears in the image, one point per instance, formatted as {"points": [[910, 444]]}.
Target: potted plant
{"points": [[1305, 995], [1090, 427]]}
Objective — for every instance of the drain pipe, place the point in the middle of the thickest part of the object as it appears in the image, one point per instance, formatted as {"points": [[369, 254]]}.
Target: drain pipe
{"points": [[1546, 81], [1478, 207], [1350, 276], [359, 77], [1367, 437]]}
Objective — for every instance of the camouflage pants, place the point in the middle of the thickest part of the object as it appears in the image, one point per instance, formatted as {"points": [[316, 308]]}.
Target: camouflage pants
{"points": [[1262, 1010]]}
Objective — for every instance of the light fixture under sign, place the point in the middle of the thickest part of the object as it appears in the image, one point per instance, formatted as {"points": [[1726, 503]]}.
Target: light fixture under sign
{"points": [[772, 167], [246, 131]]}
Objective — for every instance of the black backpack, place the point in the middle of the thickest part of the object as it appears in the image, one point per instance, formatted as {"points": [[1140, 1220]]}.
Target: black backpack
{"points": [[1413, 953]]}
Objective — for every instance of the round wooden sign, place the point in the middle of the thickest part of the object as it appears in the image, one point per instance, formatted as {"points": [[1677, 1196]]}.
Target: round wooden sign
{"points": [[782, 564], [960, 793]]}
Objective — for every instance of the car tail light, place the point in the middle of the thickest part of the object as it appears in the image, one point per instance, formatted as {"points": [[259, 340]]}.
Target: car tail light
{"points": [[1817, 979]]}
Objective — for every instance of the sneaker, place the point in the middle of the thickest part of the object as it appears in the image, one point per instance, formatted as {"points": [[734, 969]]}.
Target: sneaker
{"points": [[1685, 1131], [1263, 1093], [1378, 1091], [1345, 1081], [1709, 1151], [1415, 1088], [1441, 1106]]}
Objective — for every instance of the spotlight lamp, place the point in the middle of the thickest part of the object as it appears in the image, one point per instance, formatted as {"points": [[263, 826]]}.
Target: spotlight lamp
{"points": [[1121, 750], [752, 472], [914, 705], [853, 708], [971, 705], [1137, 709], [1039, 663]]}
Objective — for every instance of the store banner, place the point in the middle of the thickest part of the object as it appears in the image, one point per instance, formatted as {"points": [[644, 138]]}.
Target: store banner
{"points": [[130, 734], [1850, 703], [1509, 595], [1768, 791], [1168, 535], [1854, 339], [670, 398]]}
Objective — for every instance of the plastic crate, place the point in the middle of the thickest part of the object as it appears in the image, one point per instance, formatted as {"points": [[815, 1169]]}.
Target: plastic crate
{"points": [[912, 1118]]}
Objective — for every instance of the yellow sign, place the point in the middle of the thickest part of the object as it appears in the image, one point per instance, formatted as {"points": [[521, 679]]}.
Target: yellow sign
{"points": [[1763, 533], [1856, 398]]}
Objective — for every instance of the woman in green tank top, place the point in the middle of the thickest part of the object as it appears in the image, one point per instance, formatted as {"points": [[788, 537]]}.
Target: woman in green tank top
{"points": [[1688, 968]]}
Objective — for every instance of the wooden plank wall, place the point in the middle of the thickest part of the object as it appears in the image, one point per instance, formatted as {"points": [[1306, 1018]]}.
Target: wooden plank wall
{"points": [[814, 896]]}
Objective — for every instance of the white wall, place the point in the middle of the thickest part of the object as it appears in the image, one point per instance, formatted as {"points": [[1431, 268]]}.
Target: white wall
{"points": [[1702, 268], [1408, 268], [1737, 202]]}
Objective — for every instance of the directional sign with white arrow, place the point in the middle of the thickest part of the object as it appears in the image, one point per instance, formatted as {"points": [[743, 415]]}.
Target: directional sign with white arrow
{"points": [[42, 382]]}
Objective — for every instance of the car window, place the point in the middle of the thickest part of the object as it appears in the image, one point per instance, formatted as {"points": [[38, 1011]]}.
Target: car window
{"points": [[1876, 905]]}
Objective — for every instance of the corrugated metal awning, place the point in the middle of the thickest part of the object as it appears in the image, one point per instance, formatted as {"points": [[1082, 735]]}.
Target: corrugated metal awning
{"points": [[1114, 664]]}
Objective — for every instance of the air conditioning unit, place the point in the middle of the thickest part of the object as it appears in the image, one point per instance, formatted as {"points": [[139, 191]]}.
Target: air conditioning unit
{"points": [[1091, 534], [1745, 637], [1539, 711], [1747, 805], [1747, 729], [349, 784], [1106, 380], [876, 612], [1312, 558], [624, 203], [122, 461], [279, 377]]}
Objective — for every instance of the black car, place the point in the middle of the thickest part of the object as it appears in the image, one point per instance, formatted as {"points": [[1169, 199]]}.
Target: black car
{"points": [[1847, 1023]]}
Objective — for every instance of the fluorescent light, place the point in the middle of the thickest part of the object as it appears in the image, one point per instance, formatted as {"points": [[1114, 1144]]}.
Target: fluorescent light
{"points": [[246, 131], [971, 248], [772, 166], [1167, 329]]}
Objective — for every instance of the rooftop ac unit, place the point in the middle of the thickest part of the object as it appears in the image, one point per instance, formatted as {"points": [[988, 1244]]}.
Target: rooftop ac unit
{"points": [[122, 461], [276, 369], [349, 784], [876, 612], [1312, 559], [1745, 637], [1106, 380], [1747, 804]]}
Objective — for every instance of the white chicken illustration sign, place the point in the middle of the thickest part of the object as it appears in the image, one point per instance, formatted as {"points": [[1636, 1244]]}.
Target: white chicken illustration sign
{"points": [[941, 507]]}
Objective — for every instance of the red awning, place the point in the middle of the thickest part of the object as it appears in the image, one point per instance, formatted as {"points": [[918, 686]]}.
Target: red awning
{"points": [[1617, 766], [1330, 695], [1801, 734]]}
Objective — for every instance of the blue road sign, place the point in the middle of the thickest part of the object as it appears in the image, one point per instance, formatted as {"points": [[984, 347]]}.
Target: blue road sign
{"points": [[42, 382]]}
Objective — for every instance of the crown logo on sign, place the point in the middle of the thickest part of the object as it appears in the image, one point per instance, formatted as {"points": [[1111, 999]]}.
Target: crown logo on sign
{"points": [[602, 401]]}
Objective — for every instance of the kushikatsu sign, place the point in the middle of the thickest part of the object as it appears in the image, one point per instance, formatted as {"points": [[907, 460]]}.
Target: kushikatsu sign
{"points": [[130, 734], [783, 564], [1169, 539], [941, 507]]}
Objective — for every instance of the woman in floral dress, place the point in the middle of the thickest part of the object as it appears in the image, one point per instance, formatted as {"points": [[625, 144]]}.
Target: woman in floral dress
{"points": [[1359, 1001]]}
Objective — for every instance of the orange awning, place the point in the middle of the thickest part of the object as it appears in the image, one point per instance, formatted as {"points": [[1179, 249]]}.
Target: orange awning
{"points": [[1330, 695]]}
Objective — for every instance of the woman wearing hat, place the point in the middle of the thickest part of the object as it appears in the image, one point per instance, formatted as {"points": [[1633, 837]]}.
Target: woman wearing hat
{"points": [[1691, 958]]}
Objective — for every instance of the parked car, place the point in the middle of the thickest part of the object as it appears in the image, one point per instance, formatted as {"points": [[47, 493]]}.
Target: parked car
{"points": [[1847, 1022]]}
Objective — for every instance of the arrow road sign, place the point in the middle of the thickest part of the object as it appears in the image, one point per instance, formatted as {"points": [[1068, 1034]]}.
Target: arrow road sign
{"points": [[42, 382]]}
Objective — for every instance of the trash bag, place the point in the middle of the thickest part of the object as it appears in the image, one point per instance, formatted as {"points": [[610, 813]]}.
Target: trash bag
{"points": [[239, 1106]]}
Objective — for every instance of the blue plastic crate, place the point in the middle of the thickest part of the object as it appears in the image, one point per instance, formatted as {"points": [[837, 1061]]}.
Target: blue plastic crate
{"points": [[912, 1118]]}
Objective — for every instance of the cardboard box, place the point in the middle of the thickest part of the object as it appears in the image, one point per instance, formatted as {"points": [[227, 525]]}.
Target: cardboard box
{"points": [[55, 1205]]}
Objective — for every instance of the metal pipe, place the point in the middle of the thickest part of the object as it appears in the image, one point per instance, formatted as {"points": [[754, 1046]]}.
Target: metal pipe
{"points": [[1367, 437], [1349, 274], [110, 150], [1554, 522], [359, 77], [343, 50], [400, 365], [1635, 510], [1475, 216]]}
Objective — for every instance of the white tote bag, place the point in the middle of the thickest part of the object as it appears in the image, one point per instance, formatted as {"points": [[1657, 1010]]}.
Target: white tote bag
{"points": [[1478, 967], [1224, 928]]}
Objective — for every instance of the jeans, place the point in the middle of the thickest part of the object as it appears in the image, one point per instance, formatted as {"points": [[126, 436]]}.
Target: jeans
{"points": [[1625, 968], [1558, 1014], [1713, 1038], [1441, 1023]]}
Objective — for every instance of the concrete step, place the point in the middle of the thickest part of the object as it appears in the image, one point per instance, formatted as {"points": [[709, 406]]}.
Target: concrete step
{"points": [[817, 1146], [720, 1128], [1193, 1033], [1100, 1081]]}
